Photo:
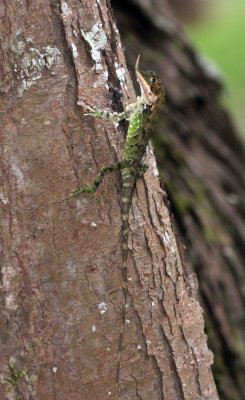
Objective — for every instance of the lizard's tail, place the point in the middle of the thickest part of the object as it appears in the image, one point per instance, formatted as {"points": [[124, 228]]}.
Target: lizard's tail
{"points": [[128, 182], [126, 200], [124, 233]]}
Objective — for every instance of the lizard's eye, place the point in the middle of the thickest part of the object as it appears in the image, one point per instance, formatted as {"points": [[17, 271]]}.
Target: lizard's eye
{"points": [[153, 80]]}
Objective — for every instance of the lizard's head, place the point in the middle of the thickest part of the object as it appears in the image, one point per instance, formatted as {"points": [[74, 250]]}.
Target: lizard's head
{"points": [[151, 85]]}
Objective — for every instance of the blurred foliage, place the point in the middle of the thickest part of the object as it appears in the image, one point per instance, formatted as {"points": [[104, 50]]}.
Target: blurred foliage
{"points": [[220, 36]]}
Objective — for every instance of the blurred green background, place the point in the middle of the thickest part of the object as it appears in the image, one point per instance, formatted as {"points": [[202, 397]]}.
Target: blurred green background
{"points": [[220, 35]]}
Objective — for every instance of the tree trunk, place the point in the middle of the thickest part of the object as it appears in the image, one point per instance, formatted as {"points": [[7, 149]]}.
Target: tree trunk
{"points": [[62, 297], [201, 163]]}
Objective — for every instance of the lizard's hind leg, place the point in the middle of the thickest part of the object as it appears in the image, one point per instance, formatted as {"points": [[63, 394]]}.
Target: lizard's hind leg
{"points": [[99, 178], [142, 169]]}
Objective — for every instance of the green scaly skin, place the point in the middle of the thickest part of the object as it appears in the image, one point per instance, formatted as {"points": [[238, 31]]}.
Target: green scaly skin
{"points": [[141, 116]]}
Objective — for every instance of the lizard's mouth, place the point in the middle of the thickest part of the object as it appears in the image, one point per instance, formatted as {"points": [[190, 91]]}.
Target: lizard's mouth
{"points": [[145, 88]]}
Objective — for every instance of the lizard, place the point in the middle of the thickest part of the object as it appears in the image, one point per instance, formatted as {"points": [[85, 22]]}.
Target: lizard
{"points": [[141, 117]]}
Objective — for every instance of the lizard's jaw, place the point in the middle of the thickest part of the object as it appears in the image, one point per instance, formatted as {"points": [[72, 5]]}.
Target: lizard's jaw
{"points": [[145, 88], [146, 91]]}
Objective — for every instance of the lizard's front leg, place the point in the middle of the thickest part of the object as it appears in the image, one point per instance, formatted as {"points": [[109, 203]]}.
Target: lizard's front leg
{"points": [[106, 115]]}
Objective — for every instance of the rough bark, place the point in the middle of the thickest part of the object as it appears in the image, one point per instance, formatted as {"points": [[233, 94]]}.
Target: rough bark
{"points": [[61, 282], [201, 162]]}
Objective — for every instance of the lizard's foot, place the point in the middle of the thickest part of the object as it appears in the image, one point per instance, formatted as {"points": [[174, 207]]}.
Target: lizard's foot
{"points": [[93, 111], [142, 169], [85, 189]]}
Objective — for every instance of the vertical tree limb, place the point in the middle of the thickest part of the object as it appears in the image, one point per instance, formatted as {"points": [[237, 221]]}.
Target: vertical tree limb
{"points": [[60, 260]]}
